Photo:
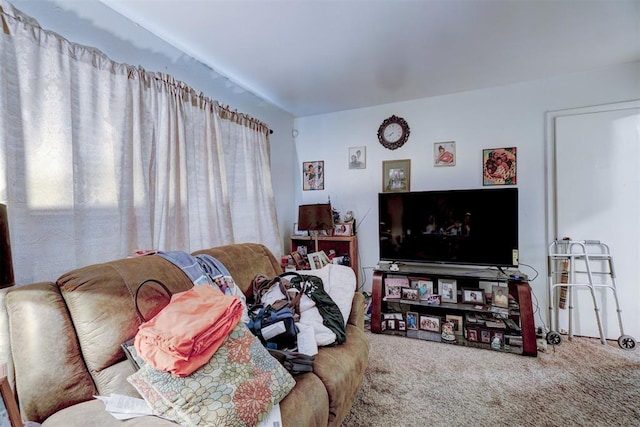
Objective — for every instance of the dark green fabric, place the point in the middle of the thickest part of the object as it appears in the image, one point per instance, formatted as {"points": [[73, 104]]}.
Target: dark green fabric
{"points": [[329, 310]]}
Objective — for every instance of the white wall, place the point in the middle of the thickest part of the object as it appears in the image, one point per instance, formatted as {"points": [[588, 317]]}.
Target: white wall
{"points": [[91, 23], [505, 116]]}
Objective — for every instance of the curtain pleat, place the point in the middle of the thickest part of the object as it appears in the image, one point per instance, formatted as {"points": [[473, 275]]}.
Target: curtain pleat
{"points": [[100, 159]]}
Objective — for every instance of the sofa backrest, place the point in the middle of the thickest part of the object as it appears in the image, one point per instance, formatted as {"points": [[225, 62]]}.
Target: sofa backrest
{"points": [[66, 336]]}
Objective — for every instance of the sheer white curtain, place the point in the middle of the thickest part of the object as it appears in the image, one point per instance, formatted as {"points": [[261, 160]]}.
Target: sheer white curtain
{"points": [[99, 159]]}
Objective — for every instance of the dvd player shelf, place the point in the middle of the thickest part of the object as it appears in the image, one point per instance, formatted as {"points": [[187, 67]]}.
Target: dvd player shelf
{"points": [[438, 303]]}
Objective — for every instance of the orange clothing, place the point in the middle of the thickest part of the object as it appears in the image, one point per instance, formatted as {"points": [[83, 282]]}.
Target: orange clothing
{"points": [[189, 330]]}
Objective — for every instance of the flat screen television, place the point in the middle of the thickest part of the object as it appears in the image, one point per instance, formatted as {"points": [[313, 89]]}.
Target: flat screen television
{"points": [[470, 227]]}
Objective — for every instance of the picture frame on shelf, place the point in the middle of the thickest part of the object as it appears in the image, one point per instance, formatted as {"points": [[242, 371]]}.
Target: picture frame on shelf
{"points": [[9, 412], [358, 157], [297, 232], [400, 281], [410, 294], [391, 324], [423, 285], [433, 299], [396, 176], [500, 296], [343, 229], [402, 326], [444, 153], [412, 320], [448, 290], [313, 175], [472, 335], [485, 336], [393, 291], [317, 260], [457, 323], [430, 323], [473, 296], [298, 260]]}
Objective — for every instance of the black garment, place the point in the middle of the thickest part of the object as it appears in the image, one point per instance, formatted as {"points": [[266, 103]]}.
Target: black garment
{"points": [[313, 287]]}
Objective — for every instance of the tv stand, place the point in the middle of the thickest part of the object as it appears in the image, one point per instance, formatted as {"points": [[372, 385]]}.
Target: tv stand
{"points": [[513, 325]]}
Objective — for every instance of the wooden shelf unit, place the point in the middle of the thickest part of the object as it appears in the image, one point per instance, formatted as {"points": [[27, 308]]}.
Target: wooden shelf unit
{"points": [[342, 245], [518, 286]]}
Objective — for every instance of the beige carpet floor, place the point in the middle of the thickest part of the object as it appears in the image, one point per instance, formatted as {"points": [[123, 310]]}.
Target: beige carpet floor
{"points": [[411, 382]]}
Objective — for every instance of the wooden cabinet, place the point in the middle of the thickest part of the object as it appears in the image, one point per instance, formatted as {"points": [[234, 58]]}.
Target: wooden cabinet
{"points": [[476, 324], [342, 245]]}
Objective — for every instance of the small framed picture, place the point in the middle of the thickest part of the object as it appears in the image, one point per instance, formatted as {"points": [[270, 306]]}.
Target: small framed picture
{"points": [[400, 281], [317, 260], [409, 294], [448, 290], [500, 296], [396, 175], [313, 175], [357, 157], [393, 291], [402, 326], [391, 324], [297, 232], [485, 336], [457, 323], [423, 285], [412, 320], [472, 335], [473, 296], [444, 153], [499, 166], [433, 299], [430, 323], [298, 260], [9, 412], [343, 229]]}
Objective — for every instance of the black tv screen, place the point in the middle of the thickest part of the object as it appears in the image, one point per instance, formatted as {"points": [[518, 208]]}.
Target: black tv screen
{"points": [[474, 227]]}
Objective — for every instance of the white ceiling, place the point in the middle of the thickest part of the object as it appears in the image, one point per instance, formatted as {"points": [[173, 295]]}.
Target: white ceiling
{"points": [[318, 56]]}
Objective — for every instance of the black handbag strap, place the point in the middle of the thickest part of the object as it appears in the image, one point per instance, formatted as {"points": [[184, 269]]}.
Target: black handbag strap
{"points": [[144, 282]]}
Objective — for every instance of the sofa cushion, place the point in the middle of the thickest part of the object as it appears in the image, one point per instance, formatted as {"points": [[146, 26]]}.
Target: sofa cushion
{"points": [[237, 387], [341, 370], [48, 362], [100, 301], [92, 413]]}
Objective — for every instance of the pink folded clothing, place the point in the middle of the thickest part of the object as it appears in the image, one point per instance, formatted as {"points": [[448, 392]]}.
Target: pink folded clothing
{"points": [[189, 330]]}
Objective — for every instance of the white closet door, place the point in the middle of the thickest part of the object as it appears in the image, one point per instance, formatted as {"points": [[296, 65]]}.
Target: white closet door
{"points": [[597, 162]]}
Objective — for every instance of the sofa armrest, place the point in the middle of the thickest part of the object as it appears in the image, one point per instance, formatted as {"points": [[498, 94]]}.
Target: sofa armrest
{"points": [[356, 317]]}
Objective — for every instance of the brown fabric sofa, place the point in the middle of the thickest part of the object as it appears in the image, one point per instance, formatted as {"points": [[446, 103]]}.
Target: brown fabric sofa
{"points": [[65, 342]]}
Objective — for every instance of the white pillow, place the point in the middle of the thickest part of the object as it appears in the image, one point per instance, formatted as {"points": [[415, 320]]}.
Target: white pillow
{"points": [[340, 283]]}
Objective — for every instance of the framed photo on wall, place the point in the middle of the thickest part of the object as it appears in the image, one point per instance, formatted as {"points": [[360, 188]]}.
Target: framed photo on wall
{"points": [[313, 175], [499, 166], [357, 157], [444, 153], [396, 175]]}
